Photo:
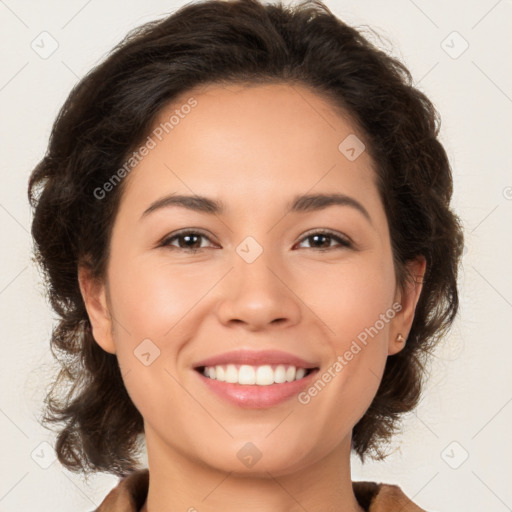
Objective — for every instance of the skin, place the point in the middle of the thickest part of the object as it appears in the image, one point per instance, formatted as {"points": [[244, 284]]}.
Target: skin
{"points": [[254, 148]]}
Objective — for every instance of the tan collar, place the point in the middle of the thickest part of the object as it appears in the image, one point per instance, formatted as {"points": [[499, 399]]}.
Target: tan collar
{"points": [[130, 494]]}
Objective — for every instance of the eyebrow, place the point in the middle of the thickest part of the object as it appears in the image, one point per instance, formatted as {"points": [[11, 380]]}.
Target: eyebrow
{"points": [[299, 204]]}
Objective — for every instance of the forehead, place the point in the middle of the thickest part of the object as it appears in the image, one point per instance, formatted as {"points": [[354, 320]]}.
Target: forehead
{"points": [[252, 142]]}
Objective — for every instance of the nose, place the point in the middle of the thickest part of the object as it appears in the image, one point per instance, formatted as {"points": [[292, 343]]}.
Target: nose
{"points": [[257, 296]]}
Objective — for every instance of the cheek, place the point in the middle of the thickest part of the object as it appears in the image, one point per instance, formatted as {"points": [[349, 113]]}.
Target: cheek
{"points": [[151, 297], [350, 297], [355, 302], [152, 305], [157, 309]]}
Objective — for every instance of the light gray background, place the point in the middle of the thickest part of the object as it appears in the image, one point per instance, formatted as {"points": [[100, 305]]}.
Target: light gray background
{"points": [[467, 404]]}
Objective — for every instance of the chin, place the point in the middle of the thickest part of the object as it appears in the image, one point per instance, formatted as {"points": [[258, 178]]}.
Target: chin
{"points": [[258, 458]]}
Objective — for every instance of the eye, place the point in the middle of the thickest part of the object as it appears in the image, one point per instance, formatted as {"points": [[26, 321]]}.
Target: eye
{"points": [[190, 241], [322, 240]]}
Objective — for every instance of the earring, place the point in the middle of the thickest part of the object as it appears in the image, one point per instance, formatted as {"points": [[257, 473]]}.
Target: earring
{"points": [[400, 338]]}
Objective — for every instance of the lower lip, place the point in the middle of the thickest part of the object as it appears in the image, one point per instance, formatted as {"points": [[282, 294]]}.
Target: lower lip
{"points": [[257, 397]]}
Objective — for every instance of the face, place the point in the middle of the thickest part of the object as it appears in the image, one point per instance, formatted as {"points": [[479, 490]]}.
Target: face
{"points": [[219, 261]]}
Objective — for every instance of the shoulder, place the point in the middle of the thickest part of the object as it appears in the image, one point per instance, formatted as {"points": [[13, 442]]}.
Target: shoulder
{"points": [[374, 497], [128, 495], [131, 492]]}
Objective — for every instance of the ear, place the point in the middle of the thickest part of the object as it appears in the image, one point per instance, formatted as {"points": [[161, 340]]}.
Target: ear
{"points": [[407, 297], [95, 299]]}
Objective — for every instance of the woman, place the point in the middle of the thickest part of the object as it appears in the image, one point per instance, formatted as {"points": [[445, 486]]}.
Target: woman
{"points": [[244, 219]]}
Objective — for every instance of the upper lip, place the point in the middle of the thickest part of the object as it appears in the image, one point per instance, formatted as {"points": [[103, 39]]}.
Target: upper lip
{"points": [[255, 358]]}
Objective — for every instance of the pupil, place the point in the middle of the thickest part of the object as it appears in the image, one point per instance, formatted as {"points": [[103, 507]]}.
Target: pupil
{"points": [[188, 239], [317, 237]]}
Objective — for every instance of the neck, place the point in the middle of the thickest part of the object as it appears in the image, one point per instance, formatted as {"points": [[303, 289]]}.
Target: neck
{"points": [[178, 483]]}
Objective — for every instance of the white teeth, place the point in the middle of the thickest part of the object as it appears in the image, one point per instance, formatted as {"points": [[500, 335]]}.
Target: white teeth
{"points": [[264, 375], [219, 370], [300, 373], [280, 374], [290, 373], [231, 374], [248, 375]]}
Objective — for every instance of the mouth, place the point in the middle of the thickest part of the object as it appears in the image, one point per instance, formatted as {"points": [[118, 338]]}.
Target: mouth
{"points": [[255, 387], [255, 379], [251, 375]]}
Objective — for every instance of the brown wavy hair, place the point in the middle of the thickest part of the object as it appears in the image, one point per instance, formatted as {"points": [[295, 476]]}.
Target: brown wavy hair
{"points": [[114, 107]]}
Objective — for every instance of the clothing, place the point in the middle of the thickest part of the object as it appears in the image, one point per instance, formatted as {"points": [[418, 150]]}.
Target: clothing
{"points": [[130, 494]]}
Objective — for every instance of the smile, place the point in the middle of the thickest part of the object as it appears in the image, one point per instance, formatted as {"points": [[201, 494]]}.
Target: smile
{"points": [[265, 392], [248, 375]]}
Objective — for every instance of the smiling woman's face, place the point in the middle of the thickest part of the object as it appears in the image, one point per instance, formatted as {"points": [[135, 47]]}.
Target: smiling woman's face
{"points": [[259, 281]]}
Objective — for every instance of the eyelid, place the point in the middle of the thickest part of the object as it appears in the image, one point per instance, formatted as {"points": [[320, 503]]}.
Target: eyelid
{"points": [[343, 240], [165, 241]]}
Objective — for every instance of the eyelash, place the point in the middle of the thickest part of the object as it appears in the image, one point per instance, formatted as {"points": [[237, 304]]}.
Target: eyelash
{"points": [[344, 243]]}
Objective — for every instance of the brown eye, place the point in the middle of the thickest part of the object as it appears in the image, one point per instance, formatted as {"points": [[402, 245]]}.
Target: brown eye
{"points": [[323, 240], [190, 241]]}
